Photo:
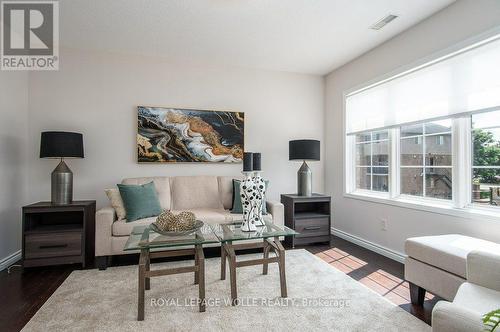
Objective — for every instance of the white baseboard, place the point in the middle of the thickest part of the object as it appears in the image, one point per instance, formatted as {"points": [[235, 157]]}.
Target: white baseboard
{"points": [[9, 260], [394, 255]]}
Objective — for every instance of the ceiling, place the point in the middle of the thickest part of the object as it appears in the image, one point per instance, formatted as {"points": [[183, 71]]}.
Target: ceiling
{"points": [[304, 36]]}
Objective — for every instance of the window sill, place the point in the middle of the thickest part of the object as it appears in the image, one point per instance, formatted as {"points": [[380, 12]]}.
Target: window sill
{"points": [[428, 205]]}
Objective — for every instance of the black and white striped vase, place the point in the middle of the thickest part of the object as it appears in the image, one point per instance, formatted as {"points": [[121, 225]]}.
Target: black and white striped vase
{"points": [[248, 194], [260, 187]]}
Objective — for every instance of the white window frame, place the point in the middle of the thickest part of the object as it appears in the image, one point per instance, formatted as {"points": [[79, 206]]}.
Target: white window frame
{"points": [[461, 204], [424, 167], [371, 166], [471, 167]]}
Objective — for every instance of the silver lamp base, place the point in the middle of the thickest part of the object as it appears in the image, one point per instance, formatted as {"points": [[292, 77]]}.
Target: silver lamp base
{"points": [[304, 180], [62, 184]]}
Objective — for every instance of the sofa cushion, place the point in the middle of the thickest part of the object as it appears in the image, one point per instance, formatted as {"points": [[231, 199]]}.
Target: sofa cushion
{"points": [[195, 192], [162, 186], [124, 228], [476, 298], [209, 216], [226, 190], [140, 201], [115, 199], [447, 252]]}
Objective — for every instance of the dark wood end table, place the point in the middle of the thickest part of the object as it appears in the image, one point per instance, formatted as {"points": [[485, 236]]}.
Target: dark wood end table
{"points": [[58, 234], [308, 215]]}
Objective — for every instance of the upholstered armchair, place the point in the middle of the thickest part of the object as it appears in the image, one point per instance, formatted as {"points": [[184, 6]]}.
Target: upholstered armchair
{"points": [[476, 297]]}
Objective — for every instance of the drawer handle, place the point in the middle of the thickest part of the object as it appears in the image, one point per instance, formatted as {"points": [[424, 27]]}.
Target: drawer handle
{"points": [[54, 246], [310, 228]]}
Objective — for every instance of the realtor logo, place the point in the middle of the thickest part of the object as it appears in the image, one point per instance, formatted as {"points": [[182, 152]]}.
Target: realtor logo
{"points": [[29, 35]]}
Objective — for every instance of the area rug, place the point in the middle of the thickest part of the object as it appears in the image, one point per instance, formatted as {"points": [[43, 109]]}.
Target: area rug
{"points": [[321, 298]]}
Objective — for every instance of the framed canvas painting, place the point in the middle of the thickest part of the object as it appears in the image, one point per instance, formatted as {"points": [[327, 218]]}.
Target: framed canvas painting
{"points": [[189, 135]]}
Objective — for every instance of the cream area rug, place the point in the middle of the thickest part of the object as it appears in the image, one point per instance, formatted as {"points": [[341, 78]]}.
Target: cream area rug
{"points": [[321, 298]]}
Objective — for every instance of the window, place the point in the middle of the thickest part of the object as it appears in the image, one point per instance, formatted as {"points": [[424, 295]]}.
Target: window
{"points": [[432, 131], [426, 159], [486, 158], [372, 161]]}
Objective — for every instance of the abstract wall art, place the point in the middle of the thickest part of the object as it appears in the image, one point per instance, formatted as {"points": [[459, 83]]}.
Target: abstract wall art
{"points": [[189, 135]]}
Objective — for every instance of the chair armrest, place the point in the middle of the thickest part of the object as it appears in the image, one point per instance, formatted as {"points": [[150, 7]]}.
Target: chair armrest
{"points": [[449, 317], [104, 219], [483, 269], [277, 210]]}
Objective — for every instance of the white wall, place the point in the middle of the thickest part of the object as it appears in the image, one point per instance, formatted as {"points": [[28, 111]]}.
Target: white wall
{"points": [[97, 94], [13, 161], [455, 23]]}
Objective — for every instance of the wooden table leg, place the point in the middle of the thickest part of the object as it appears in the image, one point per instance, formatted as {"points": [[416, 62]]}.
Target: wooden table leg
{"points": [[222, 263], [148, 268], [267, 247], [232, 271], [281, 264], [201, 276], [196, 263], [142, 284]]}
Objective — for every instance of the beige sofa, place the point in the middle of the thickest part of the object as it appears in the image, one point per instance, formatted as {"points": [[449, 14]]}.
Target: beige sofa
{"points": [[438, 264], [477, 296], [208, 197]]}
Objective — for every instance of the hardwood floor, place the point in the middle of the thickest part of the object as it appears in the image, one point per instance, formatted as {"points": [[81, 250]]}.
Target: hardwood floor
{"points": [[23, 293], [379, 273]]}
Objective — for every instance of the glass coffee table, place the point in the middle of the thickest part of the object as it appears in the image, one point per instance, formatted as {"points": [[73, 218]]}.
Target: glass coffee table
{"points": [[155, 245], [270, 233]]}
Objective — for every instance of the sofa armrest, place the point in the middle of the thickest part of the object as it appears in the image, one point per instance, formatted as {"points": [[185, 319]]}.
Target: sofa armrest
{"points": [[104, 219], [277, 210], [450, 317], [483, 269]]}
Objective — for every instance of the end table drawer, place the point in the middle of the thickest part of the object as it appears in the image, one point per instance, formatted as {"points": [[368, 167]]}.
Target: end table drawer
{"points": [[312, 227], [53, 245]]}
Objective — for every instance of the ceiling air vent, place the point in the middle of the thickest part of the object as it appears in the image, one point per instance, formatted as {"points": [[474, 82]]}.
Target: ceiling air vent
{"points": [[383, 22]]}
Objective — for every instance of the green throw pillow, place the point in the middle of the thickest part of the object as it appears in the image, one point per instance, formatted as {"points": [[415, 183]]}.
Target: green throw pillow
{"points": [[237, 206], [140, 201]]}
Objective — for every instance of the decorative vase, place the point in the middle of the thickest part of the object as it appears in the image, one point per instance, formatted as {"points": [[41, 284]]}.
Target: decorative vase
{"points": [[248, 201], [260, 188]]}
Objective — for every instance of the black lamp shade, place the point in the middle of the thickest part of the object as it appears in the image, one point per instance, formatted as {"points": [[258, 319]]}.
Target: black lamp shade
{"points": [[61, 144], [256, 161], [303, 149], [247, 161]]}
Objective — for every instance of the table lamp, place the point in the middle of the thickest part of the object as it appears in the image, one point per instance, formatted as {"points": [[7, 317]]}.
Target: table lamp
{"points": [[60, 145], [304, 149]]}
